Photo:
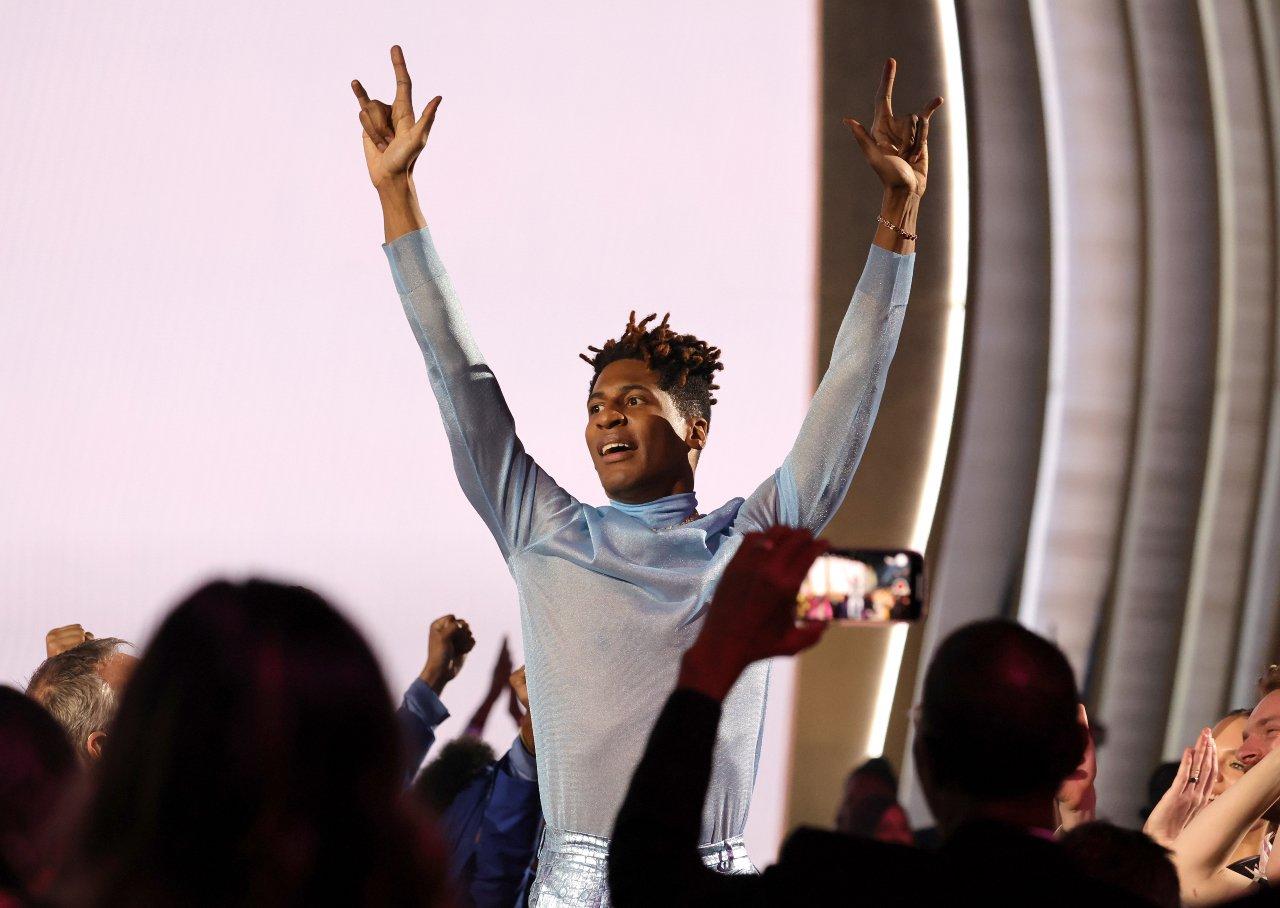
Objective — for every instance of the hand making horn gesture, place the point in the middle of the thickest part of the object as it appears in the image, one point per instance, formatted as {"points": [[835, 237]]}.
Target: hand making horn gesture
{"points": [[896, 147], [393, 138]]}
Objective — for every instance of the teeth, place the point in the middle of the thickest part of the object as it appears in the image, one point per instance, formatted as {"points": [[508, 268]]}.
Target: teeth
{"points": [[615, 446]]}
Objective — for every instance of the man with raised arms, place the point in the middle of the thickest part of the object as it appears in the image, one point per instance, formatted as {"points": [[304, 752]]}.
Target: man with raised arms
{"points": [[611, 596]]}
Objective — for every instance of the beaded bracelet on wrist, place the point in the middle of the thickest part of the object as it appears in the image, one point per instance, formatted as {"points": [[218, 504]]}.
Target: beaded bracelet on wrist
{"points": [[895, 228]]}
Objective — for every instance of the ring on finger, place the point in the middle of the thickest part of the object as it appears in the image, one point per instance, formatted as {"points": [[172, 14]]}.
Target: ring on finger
{"points": [[1195, 780]]}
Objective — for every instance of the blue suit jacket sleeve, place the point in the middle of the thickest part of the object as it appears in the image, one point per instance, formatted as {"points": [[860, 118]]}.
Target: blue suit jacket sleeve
{"points": [[508, 832], [419, 715]]}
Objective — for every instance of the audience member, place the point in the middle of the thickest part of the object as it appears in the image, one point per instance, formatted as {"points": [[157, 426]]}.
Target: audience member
{"points": [[255, 760], [421, 711], [81, 686], [488, 808], [489, 811], [1191, 789], [878, 817], [1125, 860], [37, 767], [998, 732], [1205, 850], [870, 806]]}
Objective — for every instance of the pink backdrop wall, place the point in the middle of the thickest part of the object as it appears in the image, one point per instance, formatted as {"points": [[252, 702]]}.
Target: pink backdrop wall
{"points": [[203, 364]]}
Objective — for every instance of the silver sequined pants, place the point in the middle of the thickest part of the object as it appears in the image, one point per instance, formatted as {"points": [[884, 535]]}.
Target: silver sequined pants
{"points": [[573, 868]]}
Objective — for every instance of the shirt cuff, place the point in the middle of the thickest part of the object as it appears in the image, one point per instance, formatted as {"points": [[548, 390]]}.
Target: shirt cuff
{"points": [[522, 763], [424, 703], [414, 260]]}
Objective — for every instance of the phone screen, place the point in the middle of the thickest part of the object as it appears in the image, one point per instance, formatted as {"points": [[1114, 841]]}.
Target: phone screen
{"points": [[866, 586]]}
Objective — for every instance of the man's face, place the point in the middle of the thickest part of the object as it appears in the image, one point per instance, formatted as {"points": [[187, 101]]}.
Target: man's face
{"points": [[641, 446], [1260, 734]]}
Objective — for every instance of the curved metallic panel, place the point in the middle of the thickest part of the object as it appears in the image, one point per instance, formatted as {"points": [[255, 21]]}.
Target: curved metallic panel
{"points": [[977, 547], [1181, 282], [1256, 645], [1242, 386], [1095, 200]]}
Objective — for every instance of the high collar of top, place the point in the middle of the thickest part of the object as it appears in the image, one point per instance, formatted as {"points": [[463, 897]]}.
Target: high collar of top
{"points": [[661, 512]]}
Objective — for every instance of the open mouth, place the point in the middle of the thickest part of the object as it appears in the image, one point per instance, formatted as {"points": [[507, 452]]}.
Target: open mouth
{"points": [[612, 451]]}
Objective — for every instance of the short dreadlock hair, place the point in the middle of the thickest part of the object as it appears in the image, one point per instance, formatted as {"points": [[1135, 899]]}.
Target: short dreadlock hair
{"points": [[685, 365]]}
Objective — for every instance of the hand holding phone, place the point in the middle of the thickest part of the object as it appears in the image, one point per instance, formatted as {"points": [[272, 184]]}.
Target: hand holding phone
{"points": [[867, 586]]}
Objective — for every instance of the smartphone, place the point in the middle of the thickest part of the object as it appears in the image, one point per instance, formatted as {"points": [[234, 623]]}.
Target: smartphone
{"points": [[864, 586]]}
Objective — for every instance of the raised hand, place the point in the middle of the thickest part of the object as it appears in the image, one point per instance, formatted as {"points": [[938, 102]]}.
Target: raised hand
{"points": [[61, 639], [448, 643], [393, 138], [896, 147], [1191, 790], [752, 615]]}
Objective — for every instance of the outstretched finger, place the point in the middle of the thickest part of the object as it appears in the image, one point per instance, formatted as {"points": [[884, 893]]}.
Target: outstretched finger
{"points": [[884, 93], [428, 117], [403, 106], [361, 95], [918, 147], [865, 141]]}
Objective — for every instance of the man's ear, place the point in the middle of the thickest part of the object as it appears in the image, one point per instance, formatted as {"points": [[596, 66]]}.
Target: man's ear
{"points": [[695, 435], [93, 744]]}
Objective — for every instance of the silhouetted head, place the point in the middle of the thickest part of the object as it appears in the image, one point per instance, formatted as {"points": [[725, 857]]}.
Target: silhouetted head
{"points": [[649, 410], [81, 688], [998, 721], [876, 816], [255, 760], [1125, 860], [37, 767], [460, 762]]}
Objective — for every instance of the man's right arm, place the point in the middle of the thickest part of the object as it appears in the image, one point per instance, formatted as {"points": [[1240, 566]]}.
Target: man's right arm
{"points": [[516, 499]]}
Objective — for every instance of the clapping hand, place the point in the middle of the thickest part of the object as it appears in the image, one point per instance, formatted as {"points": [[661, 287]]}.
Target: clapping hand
{"points": [[1191, 790]]}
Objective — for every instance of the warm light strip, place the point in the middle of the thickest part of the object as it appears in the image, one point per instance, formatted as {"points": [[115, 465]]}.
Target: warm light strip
{"points": [[957, 156], [1050, 439], [957, 152], [888, 685]]}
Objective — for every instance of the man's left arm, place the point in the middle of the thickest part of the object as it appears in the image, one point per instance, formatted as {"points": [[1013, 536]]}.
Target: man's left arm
{"points": [[810, 485]]}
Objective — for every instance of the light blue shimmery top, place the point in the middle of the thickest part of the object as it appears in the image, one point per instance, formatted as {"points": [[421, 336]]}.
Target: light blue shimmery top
{"points": [[611, 597]]}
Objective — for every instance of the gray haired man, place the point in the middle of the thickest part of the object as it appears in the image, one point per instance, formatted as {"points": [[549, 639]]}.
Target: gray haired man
{"points": [[81, 685]]}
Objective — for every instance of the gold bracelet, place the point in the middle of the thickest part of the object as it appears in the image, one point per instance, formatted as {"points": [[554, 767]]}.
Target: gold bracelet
{"points": [[896, 229]]}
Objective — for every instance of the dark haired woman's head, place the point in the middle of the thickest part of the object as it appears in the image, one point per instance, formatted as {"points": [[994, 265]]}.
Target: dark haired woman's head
{"points": [[998, 718], [37, 768], [649, 409], [255, 759]]}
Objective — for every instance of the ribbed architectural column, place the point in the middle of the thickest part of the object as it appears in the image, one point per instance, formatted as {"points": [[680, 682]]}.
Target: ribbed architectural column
{"points": [[1242, 383], [1257, 642], [1095, 176], [1170, 152]]}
